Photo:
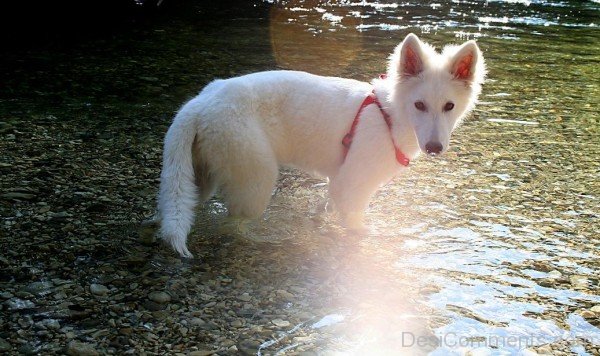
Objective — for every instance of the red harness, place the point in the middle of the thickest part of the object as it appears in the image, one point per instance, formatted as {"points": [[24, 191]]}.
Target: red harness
{"points": [[347, 140]]}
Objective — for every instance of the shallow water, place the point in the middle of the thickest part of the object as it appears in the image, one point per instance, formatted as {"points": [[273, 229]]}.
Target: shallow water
{"points": [[492, 248]]}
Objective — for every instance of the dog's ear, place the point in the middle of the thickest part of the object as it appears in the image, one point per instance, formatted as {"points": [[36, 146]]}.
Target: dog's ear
{"points": [[411, 57], [464, 63]]}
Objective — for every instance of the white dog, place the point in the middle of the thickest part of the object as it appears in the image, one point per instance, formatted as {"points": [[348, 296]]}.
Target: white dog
{"points": [[237, 132]]}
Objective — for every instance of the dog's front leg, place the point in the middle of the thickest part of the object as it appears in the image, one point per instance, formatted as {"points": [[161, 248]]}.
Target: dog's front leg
{"points": [[351, 194]]}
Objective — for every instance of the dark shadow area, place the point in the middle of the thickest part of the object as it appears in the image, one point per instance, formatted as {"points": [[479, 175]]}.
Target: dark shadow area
{"points": [[51, 23]]}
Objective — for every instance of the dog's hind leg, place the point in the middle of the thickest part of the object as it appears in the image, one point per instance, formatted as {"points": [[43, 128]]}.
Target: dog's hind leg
{"points": [[205, 180], [249, 174]]}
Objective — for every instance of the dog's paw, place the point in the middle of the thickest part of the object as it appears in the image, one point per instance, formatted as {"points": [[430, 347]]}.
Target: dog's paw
{"points": [[354, 221], [234, 225], [184, 253], [364, 231], [147, 232], [179, 245]]}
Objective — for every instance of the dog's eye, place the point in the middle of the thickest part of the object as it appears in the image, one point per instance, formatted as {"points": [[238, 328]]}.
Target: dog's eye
{"points": [[449, 106], [420, 106]]}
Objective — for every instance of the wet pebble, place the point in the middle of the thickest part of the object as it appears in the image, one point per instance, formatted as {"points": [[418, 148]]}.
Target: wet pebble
{"points": [[544, 350], [227, 343], [245, 297], [579, 281], [27, 349], [38, 288], [147, 233], [51, 324], [17, 196], [61, 215], [197, 322], [17, 304], [542, 266], [153, 306], [248, 347], [159, 297], [98, 289], [281, 323], [4, 345], [285, 294], [587, 314], [126, 331], [202, 353], [554, 274], [429, 289], [76, 348]]}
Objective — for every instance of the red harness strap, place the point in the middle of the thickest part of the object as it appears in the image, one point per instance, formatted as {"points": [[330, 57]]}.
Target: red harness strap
{"points": [[347, 140]]}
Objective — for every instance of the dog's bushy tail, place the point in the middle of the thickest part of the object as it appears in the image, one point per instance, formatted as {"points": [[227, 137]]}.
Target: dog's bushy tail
{"points": [[177, 197]]}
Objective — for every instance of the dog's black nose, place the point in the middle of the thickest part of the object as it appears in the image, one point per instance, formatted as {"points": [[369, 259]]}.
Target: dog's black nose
{"points": [[433, 148]]}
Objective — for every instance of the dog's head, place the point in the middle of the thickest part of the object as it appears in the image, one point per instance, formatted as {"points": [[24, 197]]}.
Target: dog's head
{"points": [[435, 91]]}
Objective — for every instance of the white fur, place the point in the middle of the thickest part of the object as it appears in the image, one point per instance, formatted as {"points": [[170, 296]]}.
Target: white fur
{"points": [[237, 132]]}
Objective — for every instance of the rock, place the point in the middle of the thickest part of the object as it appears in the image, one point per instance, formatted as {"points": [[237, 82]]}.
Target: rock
{"points": [[147, 232], [149, 79], [27, 350], [227, 343], [202, 353], [70, 335], [245, 297], [209, 326], [579, 281], [285, 294], [237, 323], [6, 295], [159, 297], [154, 306], [38, 288], [61, 215], [4, 345], [76, 348], [542, 266], [98, 289], [99, 333], [51, 324], [126, 331], [44, 209], [587, 314], [197, 322], [248, 347], [161, 314], [17, 196], [596, 309], [554, 274], [429, 289], [544, 350], [281, 323], [23, 294], [18, 304]]}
